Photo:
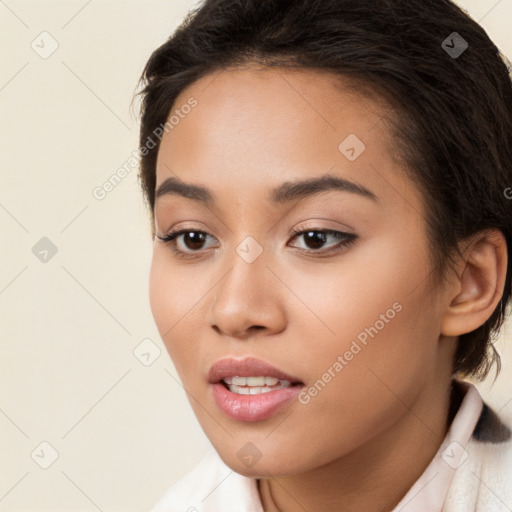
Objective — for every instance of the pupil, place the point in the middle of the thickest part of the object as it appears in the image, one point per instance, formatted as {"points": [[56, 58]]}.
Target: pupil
{"points": [[317, 238], [194, 237]]}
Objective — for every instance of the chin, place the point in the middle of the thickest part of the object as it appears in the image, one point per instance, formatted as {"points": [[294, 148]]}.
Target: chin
{"points": [[249, 462]]}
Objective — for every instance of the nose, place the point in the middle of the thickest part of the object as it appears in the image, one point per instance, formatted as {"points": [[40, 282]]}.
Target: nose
{"points": [[248, 301]]}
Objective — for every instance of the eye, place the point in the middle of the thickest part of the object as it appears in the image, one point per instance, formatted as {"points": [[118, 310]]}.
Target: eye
{"points": [[192, 239], [315, 239]]}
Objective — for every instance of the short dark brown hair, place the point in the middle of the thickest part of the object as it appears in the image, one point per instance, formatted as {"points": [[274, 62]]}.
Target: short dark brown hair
{"points": [[451, 105]]}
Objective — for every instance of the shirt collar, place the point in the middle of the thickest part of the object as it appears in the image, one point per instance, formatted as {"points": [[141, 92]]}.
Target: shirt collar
{"points": [[430, 490]]}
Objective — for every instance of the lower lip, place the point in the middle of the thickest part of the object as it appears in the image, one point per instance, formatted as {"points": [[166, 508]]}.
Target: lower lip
{"points": [[253, 407]]}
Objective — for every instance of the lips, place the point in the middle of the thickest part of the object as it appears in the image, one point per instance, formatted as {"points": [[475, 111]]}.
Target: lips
{"points": [[235, 387], [249, 367]]}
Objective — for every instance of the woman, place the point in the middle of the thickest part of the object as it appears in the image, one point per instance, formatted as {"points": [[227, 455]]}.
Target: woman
{"points": [[329, 189]]}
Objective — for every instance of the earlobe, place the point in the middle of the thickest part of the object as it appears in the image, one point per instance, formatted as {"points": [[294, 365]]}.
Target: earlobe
{"points": [[480, 285]]}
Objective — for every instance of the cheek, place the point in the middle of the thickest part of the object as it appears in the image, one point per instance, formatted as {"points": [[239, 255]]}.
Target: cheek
{"points": [[375, 316], [167, 298], [177, 297], [159, 287]]}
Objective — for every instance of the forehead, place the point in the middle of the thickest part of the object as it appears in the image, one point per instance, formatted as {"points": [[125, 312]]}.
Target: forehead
{"points": [[260, 126], [255, 100]]}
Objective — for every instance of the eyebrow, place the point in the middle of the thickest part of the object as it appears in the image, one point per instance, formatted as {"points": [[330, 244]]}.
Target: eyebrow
{"points": [[284, 193]]}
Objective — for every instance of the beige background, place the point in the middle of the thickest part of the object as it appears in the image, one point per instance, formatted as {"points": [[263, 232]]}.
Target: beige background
{"points": [[123, 432]]}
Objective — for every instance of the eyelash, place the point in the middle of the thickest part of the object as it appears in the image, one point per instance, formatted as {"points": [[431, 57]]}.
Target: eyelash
{"points": [[347, 239]]}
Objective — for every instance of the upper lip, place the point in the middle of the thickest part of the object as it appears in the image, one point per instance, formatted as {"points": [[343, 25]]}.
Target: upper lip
{"points": [[248, 367]]}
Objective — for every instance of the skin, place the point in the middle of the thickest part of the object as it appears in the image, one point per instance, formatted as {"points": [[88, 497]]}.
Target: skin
{"points": [[371, 432]]}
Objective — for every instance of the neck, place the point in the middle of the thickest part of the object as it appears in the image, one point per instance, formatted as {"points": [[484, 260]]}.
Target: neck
{"points": [[375, 476]]}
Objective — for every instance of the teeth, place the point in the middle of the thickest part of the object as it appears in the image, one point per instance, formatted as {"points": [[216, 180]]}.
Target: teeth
{"points": [[255, 390], [255, 381], [255, 385]]}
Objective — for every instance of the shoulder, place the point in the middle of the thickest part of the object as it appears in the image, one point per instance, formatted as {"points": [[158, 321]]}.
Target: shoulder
{"points": [[209, 487], [483, 481]]}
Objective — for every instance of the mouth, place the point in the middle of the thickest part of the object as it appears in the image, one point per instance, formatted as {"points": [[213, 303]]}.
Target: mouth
{"points": [[250, 373], [256, 385], [251, 389]]}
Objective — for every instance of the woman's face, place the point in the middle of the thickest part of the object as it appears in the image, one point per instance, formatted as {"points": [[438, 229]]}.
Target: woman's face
{"points": [[349, 318]]}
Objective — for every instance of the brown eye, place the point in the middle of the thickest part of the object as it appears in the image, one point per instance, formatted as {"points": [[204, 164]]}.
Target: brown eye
{"points": [[192, 241], [315, 239]]}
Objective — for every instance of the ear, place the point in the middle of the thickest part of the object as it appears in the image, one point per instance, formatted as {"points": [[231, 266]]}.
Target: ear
{"points": [[479, 287]]}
